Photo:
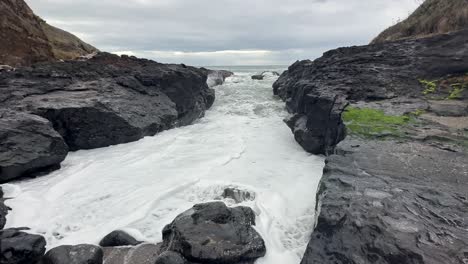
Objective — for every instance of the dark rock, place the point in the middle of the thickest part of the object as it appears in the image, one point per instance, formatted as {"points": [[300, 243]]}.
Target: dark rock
{"points": [[257, 77], [106, 100], [262, 75], [141, 254], [28, 144], [20, 248], [118, 238], [238, 195], [80, 254], [170, 257], [214, 233], [217, 77], [390, 202], [316, 92]]}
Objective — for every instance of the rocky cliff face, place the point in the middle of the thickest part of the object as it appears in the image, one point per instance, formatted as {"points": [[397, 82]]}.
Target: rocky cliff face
{"points": [[55, 106], [432, 17], [26, 39], [394, 189]]}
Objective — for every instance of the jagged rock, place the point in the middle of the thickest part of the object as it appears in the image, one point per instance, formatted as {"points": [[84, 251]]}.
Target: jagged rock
{"points": [[217, 77], [29, 144], [80, 254], [214, 233], [170, 257], [238, 195], [391, 202], [141, 254], [17, 247], [118, 238], [316, 92], [105, 100]]}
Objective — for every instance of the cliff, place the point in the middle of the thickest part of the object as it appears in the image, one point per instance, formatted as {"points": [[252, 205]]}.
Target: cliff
{"points": [[26, 39], [432, 17]]}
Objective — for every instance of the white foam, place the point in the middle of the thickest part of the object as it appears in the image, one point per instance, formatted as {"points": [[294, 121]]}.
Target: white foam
{"points": [[142, 186]]}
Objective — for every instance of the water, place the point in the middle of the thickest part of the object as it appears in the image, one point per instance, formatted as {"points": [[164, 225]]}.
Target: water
{"points": [[140, 187]]}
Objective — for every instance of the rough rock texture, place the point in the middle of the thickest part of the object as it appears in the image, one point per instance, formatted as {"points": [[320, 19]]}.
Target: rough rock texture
{"points": [[318, 91], [118, 238], [105, 100], [386, 199], [80, 254], [17, 247], [3, 210], [214, 233], [432, 17], [170, 257], [28, 143], [141, 254], [26, 39]]}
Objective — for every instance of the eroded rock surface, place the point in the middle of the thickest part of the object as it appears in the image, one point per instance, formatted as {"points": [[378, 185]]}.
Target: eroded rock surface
{"points": [[215, 233], [397, 195], [102, 101]]}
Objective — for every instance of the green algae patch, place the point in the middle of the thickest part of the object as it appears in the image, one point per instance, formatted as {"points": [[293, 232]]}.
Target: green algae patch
{"points": [[430, 86], [368, 122]]}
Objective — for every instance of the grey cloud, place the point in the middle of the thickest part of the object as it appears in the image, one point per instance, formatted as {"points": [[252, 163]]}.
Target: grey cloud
{"points": [[294, 29]]}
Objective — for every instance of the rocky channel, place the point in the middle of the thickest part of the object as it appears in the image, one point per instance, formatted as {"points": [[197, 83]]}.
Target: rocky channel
{"points": [[392, 118]]}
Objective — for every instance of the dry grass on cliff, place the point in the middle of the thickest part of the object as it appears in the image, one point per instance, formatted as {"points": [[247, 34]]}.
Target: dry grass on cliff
{"points": [[432, 17]]}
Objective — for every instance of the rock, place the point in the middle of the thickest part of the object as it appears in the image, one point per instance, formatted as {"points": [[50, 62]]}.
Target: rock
{"points": [[316, 92], [170, 257], [118, 238], [20, 248], [3, 210], [238, 195], [391, 202], [263, 74], [103, 101], [80, 254], [141, 254], [214, 233], [29, 144], [217, 77]]}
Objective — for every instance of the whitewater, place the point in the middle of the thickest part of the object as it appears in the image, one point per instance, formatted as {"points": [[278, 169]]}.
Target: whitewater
{"points": [[242, 142]]}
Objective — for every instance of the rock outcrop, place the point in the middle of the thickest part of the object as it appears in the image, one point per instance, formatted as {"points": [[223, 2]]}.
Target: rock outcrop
{"points": [[17, 247], [103, 101], [217, 77], [317, 92], [25, 38], [215, 233], [393, 190], [431, 18]]}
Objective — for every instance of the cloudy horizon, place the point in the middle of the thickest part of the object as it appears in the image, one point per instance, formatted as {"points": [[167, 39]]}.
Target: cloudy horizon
{"points": [[225, 32]]}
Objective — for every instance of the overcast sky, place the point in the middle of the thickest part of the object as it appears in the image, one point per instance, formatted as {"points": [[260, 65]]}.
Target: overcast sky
{"points": [[223, 32]]}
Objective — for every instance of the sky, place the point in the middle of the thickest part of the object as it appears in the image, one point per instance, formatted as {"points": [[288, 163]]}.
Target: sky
{"points": [[223, 32]]}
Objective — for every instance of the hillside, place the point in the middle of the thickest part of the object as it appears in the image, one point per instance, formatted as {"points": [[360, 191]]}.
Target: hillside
{"points": [[25, 38], [432, 17]]}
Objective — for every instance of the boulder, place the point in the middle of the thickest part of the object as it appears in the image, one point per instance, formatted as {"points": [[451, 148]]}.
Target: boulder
{"points": [[170, 257], [141, 254], [215, 233], [118, 238], [80, 254], [17, 247], [29, 144], [262, 75]]}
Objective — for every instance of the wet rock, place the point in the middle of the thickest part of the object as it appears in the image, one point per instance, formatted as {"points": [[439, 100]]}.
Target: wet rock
{"points": [[214, 233], [105, 100], [141, 254], [264, 74], [17, 247], [3, 210], [238, 195], [391, 202], [80, 254], [170, 257], [217, 77], [257, 77], [29, 144], [316, 92], [118, 238]]}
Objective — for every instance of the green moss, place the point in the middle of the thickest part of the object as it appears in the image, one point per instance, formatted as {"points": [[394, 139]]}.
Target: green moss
{"points": [[368, 122], [418, 112], [456, 92], [430, 86]]}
